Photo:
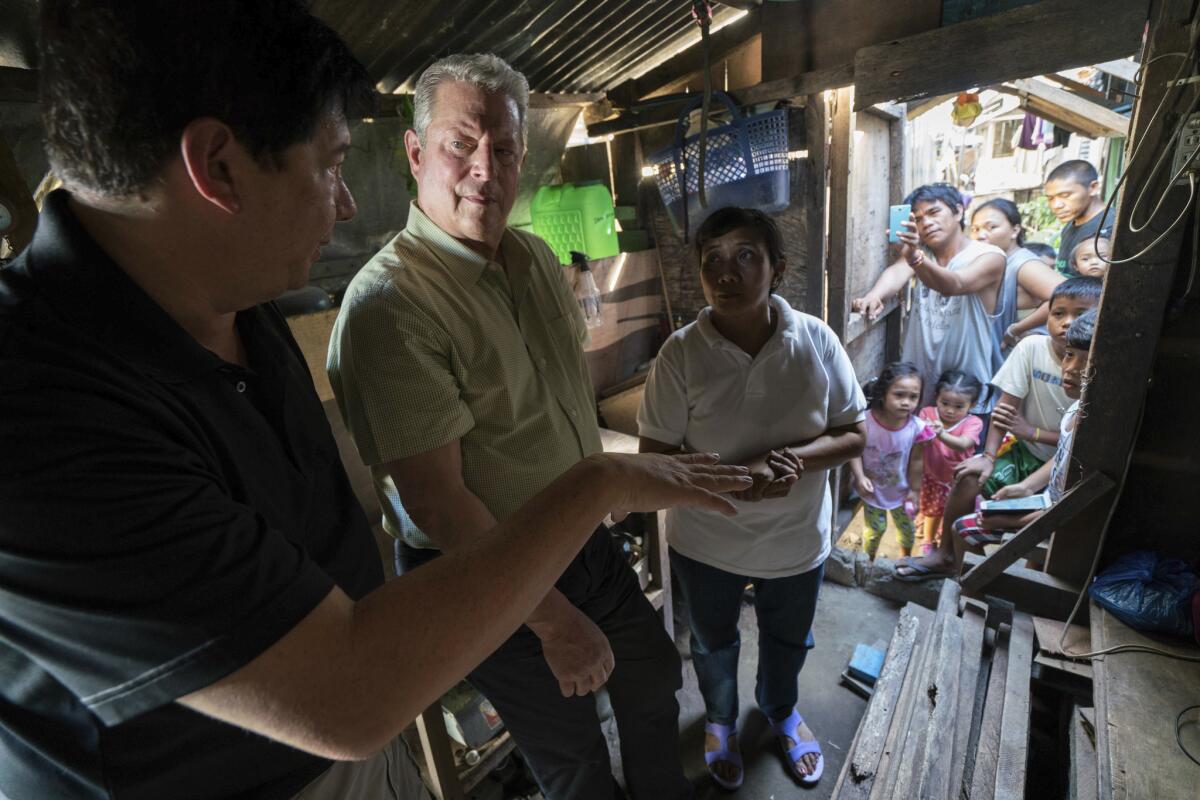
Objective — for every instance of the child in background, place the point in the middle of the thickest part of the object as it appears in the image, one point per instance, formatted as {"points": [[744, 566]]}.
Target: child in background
{"points": [[1025, 424], [957, 435], [979, 529], [1089, 258], [1045, 252], [888, 475]]}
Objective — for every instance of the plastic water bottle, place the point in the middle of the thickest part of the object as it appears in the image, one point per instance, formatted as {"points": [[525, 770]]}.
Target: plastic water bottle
{"points": [[586, 291]]}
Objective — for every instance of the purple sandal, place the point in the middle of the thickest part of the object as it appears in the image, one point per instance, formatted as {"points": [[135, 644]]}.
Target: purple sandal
{"points": [[789, 729], [722, 734]]}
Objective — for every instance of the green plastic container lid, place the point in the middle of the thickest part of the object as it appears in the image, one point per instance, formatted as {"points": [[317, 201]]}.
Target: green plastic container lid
{"points": [[576, 216]]}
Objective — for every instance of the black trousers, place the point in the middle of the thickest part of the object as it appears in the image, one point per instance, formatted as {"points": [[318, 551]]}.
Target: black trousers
{"points": [[560, 737]]}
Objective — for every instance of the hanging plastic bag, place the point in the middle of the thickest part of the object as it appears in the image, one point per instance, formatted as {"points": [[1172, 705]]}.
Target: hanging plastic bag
{"points": [[966, 108], [1149, 592]]}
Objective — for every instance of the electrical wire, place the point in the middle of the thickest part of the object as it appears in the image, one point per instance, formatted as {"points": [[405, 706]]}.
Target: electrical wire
{"points": [[1179, 738], [1186, 207], [1164, 150]]}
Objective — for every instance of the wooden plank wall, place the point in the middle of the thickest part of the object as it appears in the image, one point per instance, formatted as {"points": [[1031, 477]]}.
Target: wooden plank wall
{"points": [[633, 314], [822, 34], [866, 241]]}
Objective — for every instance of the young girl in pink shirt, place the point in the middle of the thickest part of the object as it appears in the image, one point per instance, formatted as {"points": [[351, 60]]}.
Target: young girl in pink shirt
{"points": [[888, 475], [957, 433]]}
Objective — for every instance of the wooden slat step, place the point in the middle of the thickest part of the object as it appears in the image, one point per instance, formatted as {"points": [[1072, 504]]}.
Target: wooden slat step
{"points": [[950, 717], [1081, 781]]}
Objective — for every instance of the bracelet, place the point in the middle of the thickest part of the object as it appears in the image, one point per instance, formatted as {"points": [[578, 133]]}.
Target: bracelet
{"points": [[1037, 435], [989, 456]]}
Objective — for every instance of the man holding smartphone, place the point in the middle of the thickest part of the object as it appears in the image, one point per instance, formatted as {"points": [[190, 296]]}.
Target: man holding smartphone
{"points": [[958, 287]]}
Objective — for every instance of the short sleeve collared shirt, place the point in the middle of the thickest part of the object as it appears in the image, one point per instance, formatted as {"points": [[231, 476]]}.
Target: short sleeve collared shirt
{"points": [[435, 342], [707, 395]]}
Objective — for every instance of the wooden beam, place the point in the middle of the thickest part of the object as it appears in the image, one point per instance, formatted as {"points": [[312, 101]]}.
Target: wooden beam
{"points": [[18, 85], [816, 136], [1090, 119], [857, 324], [980, 773], [1124, 68], [1012, 755], [439, 757], [557, 99], [818, 34], [941, 733], [919, 107], [797, 86], [888, 112], [1123, 348], [1029, 590], [970, 698], [810, 83], [840, 159], [690, 62], [664, 113], [1051, 35], [1075, 87], [1076, 500], [863, 762]]}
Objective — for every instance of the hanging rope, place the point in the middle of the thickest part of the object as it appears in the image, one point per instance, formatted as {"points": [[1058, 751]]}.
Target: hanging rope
{"points": [[702, 12]]}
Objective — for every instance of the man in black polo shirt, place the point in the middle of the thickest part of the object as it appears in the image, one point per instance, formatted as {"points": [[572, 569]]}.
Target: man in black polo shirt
{"points": [[181, 556]]}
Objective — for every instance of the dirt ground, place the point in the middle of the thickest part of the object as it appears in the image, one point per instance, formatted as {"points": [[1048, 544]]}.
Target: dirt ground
{"points": [[889, 547]]}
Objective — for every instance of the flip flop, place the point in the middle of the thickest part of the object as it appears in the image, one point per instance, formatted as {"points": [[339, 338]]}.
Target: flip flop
{"points": [[790, 729], [918, 572], [722, 734]]}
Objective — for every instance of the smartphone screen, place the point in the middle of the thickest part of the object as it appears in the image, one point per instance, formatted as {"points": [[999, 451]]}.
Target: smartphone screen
{"points": [[896, 217]]}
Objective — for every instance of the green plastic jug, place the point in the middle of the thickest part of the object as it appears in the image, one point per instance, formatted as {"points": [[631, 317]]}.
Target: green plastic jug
{"points": [[576, 216]]}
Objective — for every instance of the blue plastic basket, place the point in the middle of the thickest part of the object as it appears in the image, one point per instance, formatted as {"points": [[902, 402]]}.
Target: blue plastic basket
{"points": [[745, 165]]}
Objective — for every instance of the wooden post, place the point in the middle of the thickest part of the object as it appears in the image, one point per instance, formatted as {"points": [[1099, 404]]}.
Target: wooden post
{"points": [[816, 123], [439, 758], [840, 160], [897, 189], [1135, 298]]}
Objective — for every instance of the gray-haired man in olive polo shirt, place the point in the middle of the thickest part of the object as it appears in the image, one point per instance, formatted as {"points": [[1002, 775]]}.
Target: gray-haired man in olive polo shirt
{"points": [[457, 365]]}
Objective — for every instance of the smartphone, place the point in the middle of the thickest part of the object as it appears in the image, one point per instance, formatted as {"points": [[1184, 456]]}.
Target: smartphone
{"points": [[897, 216]]}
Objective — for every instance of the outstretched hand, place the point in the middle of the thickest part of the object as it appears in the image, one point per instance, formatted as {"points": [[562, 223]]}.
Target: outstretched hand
{"points": [[870, 305], [651, 481]]}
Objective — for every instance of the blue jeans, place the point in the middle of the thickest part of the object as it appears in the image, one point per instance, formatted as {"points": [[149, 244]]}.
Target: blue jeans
{"points": [[785, 608]]}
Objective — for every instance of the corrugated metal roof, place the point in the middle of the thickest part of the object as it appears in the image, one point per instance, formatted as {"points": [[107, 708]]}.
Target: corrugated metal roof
{"points": [[560, 45]]}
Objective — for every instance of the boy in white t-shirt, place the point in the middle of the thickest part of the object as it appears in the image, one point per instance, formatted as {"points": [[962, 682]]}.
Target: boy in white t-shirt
{"points": [[979, 529], [1024, 426], [771, 388]]}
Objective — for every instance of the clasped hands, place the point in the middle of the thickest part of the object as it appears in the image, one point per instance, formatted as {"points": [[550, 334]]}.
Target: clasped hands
{"points": [[774, 473]]}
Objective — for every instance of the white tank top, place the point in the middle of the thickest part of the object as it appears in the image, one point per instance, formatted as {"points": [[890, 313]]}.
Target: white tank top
{"points": [[954, 332]]}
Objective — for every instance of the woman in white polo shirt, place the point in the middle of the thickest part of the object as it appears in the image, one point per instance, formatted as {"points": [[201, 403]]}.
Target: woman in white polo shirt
{"points": [[771, 388]]}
